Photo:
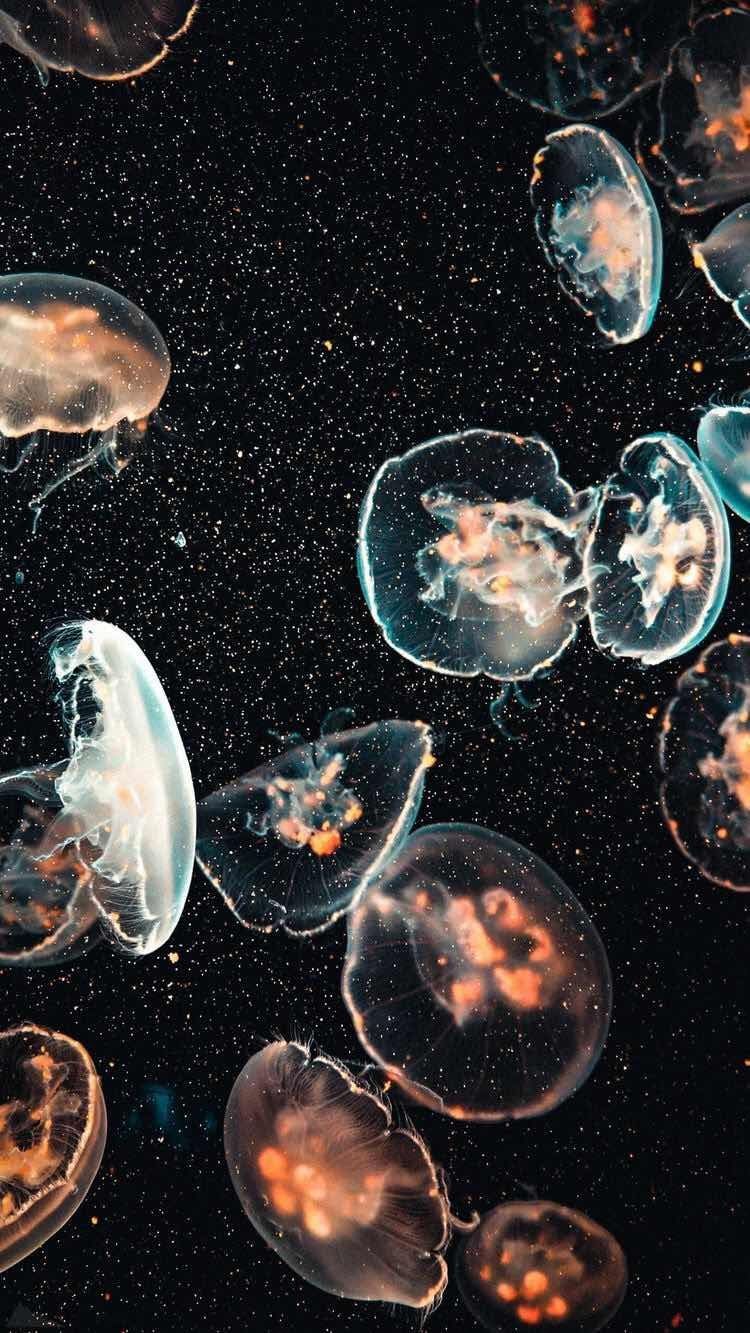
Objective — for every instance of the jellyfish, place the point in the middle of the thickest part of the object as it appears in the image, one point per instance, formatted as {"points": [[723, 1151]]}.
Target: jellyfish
{"points": [[100, 844], [724, 258], [724, 447], [349, 1201], [704, 755], [698, 148], [579, 59], [599, 228], [469, 555], [291, 843], [103, 39], [540, 1265], [53, 1125], [474, 978], [82, 371], [657, 561]]}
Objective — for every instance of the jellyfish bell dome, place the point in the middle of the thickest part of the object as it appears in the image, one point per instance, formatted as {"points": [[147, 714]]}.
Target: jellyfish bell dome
{"points": [[102, 39], [724, 259], [474, 978], [53, 1127], [724, 448], [349, 1201]]}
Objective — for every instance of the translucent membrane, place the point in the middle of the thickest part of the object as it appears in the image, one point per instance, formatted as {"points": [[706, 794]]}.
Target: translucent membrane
{"points": [[351, 1203], [292, 843], [600, 230], [103, 39], [102, 843], [724, 257], [53, 1126], [657, 563], [475, 978], [705, 761], [539, 1265], [724, 447], [469, 555]]}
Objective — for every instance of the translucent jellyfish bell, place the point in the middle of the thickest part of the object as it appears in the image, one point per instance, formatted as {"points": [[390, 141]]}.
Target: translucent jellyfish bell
{"points": [[291, 843], [102, 843], [103, 39], [351, 1203], [540, 1265], [704, 755], [53, 1126], [469, 555], [724, 447], [724, 257], [598, 224], [658, 558], [475, 978]]}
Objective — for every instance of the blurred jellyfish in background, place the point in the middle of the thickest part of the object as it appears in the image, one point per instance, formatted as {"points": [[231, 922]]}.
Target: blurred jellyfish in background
{"points": [[698, 146], [600, 230], [293, 842], [475, 978], [53, 1126], [540, 1265], [658, 558], [103, 39], [349, 1201], [724, 447], [724, 257], [704, 755], [469, 555], [82, 370], [579, 59], [101, 844]]}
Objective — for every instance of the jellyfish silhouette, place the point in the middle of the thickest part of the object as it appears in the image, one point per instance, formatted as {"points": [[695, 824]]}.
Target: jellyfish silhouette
{"points": [[724, 258], [293, 842], [599, 229], [350, 1202], [657, 561], [102, 843], [475, 978], [469, 555], [78, 363], [540, 1265], [724, 447], [704, 754], [103, 39], [579, 59], [53, 1125]]}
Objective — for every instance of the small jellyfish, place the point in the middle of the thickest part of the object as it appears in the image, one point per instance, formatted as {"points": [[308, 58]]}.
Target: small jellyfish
{"points": [[474, 978], [579, 59], [351, 1203], [469, 555], [103, 39], [598, 224], [82, 370], [724, 257], [724, 447], [293, 842], [540, 1265], [657, 561], [53, 1125], [704, 755], [102, 843]]}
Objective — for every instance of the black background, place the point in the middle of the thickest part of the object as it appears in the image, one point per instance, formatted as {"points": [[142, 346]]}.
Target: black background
{"points": [[297, 175]]}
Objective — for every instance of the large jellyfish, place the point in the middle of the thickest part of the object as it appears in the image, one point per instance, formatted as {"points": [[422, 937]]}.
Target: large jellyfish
{"points": [[579, 59], [475, 978], [600, 230], [724, 447], [704, 754], [657, 561], [103, 39], [348, 1200], [291, 843], [102, 843], [724, 257], [81, 372], [469, 555], [53, 1127], [540, 1265]]}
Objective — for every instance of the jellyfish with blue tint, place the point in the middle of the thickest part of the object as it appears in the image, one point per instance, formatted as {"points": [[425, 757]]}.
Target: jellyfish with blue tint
{"points": [[600, 230], [724, 258], [704, 755], [469, 555], [657, 560], [291, 843], [724, 447], [100, 844]]}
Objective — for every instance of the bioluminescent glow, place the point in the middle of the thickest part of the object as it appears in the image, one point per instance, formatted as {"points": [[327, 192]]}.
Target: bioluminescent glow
{"points": [[103, 39]]}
